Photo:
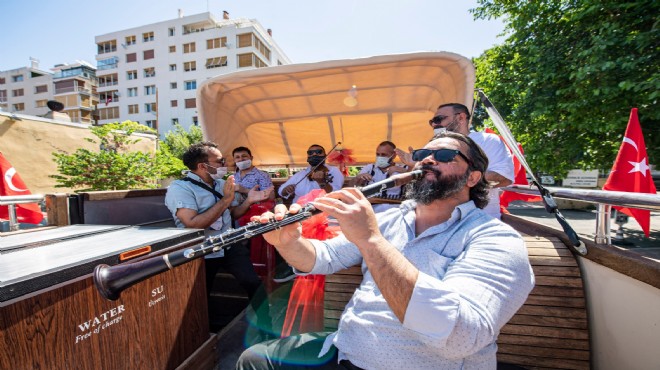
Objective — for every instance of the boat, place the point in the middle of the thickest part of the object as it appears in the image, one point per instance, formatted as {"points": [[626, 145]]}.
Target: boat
{"points": [[598, 309]]}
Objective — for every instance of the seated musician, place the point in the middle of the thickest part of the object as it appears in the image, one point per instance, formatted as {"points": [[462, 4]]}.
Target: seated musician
{"points": [[383, 168], [247, 176], [441, 277], [317, 176]]}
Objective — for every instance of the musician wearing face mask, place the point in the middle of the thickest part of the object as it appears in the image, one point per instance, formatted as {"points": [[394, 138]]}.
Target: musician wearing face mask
{"points": [[247, 176], [317, 176], [381, 169], [203, 200]]}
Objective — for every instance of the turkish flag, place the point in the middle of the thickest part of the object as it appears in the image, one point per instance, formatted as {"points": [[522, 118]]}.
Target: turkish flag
{"points": [[520, 179], [11, 184], [631, 172]]}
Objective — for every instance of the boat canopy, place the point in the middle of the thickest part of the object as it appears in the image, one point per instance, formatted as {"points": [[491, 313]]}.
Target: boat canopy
{"points": [[278, 112]]}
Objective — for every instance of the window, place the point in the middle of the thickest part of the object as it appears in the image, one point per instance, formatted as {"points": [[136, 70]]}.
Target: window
{"points": [[191, 85], [151, 123], [175, 121], [109, 63], [109, 97], [2, 80], [149, 107], [150, 90], [130, 40], [172, 67], [133, 109], [147, 36], [149, 72], [18, 107], [190, 103], [3, 96], [189, 48], [17, 92], [131, 91], [107, 47], [40, 103], [190, 66], [245, 60], [216, 62], [172, 85], [148, 54], [109, 113], [195, 121], [40, 89], [108, 80], [132, 57], [244, 40], [174, 103], [259, 45], [131, 75], [216, 43], [170, 31], [17, 78], [173, 49]]}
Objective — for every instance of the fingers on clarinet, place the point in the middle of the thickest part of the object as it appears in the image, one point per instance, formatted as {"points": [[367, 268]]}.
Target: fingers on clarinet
{"points": [[265, 217], [295, 207]]}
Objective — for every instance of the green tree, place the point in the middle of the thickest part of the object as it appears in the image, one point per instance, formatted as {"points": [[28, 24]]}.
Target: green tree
{"points": [[113, 166], [172, 148], [568, 74]]}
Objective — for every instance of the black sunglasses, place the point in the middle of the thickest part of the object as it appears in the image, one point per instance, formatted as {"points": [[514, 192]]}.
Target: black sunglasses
{"points": [[440, 155], [438, 119], [315, 152], [222, 162]]}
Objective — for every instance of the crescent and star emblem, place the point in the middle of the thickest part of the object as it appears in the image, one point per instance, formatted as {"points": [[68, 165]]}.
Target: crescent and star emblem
{"points": [[641, 166], [9, 177]]}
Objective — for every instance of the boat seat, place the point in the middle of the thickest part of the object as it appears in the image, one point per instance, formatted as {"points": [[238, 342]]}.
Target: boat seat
{"points": [[550, 331]]}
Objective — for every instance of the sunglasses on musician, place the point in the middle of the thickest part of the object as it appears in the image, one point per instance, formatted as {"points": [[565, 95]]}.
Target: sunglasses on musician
{"points": [[438, 119], [315, 152], [440, 155]]}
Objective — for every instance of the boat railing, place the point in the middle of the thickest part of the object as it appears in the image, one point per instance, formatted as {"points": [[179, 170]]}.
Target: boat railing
{"points": [[12, 200], [604, 201]]}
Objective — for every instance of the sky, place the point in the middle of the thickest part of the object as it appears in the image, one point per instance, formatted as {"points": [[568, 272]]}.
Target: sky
{"points": [[63, 31]]}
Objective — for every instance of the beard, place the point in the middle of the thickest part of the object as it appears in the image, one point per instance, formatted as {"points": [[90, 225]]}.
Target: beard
{"points": [[425, 191]]}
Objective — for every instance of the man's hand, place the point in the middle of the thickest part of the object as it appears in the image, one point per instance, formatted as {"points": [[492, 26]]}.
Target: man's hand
{"points": [[396, 169], [255, 195], [319, 176], [406, 158], [229, 189], [287, 191], [285, 235], [353, 211], [363, 179]]}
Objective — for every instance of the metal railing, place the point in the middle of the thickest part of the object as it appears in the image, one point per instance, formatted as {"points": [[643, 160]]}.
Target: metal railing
{"points": [[604, 201], [12, 200]]}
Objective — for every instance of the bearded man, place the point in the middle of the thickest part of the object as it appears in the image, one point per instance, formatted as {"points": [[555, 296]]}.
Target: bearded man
{"points": [[440, 277]]}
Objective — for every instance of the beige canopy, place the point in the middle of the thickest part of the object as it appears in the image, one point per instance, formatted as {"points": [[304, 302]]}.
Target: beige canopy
{"points": [[278, 112]]}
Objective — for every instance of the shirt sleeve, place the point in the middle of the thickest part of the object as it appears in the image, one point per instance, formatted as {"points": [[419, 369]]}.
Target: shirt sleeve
{"points": [[499, 157], [462, 312], [179, 197], [291, 181], [329, 260], [264, 181]]}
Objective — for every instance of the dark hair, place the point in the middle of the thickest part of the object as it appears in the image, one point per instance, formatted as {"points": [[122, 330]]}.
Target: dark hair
{"points": [[241, 149], [478, 162], [386, 142], [458, 108], [320, 146], [197, 153]]}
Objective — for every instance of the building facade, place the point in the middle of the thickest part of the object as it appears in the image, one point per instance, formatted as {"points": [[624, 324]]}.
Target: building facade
{"points": [[150, 74], [26, 90], [75, 86]]}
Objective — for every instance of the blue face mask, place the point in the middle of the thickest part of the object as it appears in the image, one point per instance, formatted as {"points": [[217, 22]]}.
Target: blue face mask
{"points": [[382, 162]]}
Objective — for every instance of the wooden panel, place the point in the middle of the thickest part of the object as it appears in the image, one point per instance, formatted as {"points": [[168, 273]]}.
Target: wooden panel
{"points": [[543, 331], [57, 209], [576, 313], [553, 291], [549, 252], [572, 354], [555, 301], [543, 341], [552, 261], [344, 279], [338, 296], [559, 281], [156, 324], [550, 363], [557, 322], [342, 288], [572, 271]]}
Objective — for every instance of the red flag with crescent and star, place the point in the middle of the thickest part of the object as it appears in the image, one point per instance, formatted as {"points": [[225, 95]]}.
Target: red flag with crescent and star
{"points": [[631, 171], [12, 184]]}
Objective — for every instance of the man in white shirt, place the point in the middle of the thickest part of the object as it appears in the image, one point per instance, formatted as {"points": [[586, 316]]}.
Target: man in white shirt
{"points": [[440, 277], [328, 178]]}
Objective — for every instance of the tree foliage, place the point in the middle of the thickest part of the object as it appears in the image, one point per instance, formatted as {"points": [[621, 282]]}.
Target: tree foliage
{"points": [[113, 166], [568, 74], [175, 144]]}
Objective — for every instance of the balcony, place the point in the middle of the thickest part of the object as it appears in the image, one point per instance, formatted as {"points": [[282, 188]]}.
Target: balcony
{"points": [[80, 89]]}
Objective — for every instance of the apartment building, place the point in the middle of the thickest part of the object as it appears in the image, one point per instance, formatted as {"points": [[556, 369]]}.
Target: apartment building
{"points": [[75, 86], [150, 74], [26, 90]]}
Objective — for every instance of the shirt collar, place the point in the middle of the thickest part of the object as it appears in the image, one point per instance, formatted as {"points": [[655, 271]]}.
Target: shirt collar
{"points": [[459, 213]]}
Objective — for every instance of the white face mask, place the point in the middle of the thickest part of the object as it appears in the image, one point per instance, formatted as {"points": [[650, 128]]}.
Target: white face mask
{"points": [[244, 165], [439, 131], [382, 162], [220, 172]]}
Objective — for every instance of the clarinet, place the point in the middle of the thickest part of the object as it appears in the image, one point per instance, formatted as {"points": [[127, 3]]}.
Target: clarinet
{"points": [[110, 281]]}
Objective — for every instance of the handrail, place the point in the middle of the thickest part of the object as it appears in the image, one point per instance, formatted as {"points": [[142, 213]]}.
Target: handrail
{"points": [[12, 200], [603, 198]]}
